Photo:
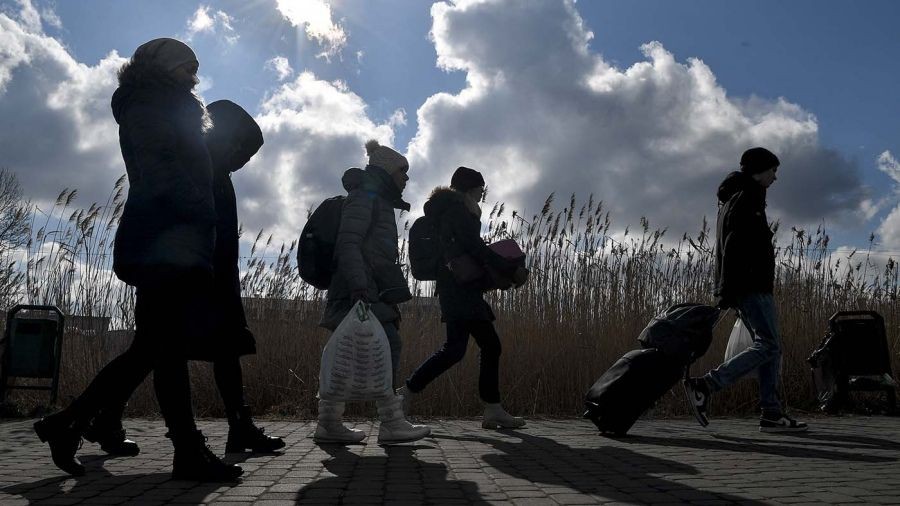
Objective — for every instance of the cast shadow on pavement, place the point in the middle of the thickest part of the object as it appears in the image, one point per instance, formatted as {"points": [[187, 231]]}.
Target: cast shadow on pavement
{"points": [[398, 476], [99, 485], [607, 472], [778, 446]]}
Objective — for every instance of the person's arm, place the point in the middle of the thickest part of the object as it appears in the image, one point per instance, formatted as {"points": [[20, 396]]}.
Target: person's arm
{"points": [[356, 219], [164, 178], [470, 241]]}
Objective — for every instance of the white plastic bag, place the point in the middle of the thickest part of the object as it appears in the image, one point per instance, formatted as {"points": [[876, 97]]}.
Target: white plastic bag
{"points": [[740, 339], [356, 361]]}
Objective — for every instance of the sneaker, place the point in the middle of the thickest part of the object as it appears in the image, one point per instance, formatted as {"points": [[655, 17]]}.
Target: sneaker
{"points": [[697, 392], [780, 423]]}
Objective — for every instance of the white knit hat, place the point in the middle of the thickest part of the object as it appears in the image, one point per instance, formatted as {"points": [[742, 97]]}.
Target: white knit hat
{"points": [[385, 157], [166, 53]]}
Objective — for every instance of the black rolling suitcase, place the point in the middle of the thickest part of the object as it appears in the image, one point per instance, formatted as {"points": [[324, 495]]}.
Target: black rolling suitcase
{"points": [[629, 388], [671, 341]]}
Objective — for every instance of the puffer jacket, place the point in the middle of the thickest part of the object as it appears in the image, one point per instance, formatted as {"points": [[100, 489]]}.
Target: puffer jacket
{"points": [[745, 256], [459, 222], [366, 252], [168, 223]]}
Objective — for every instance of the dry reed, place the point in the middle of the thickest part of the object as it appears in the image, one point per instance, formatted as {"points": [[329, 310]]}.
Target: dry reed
{"points": [[588, 298]]}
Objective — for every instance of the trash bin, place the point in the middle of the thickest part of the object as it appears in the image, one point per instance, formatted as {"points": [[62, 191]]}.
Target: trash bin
{"points": [[32, 346]]}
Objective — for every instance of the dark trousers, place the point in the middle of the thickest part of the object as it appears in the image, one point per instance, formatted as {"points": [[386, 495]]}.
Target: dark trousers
{"points": [[156, 313], [454, 349], [166, 318], [229, 381]]}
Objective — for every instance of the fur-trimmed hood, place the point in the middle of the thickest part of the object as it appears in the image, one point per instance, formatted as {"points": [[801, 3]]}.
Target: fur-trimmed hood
{"points": [[443, 197], [143, 83]]}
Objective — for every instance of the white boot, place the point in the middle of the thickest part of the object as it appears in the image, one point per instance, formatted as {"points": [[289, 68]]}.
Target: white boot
{"points": [[495, 417], [330, 429], [394, 427], [407, 397]]}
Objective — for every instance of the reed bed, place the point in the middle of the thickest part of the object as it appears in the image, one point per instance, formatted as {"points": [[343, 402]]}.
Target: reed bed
{"points": [[593, 287]]}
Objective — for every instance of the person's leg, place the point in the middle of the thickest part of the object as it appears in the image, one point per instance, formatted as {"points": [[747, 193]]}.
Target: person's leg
{"points": [[242, 432], [112, 386], [163, 312], [330, 427], [396, 344], [495, 417], [489, 362], [757, 311], [451, 352]]}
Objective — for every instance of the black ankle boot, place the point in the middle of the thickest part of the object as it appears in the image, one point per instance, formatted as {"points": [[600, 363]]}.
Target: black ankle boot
{"points": [[194, 461], [112, 440], [243, 434], [64, 441]]}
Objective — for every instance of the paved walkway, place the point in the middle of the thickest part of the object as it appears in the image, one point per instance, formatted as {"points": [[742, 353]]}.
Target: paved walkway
{"points": [[843, 460]]}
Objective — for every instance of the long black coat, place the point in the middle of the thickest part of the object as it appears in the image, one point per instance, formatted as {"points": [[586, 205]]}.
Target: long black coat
{"points": [[231, 321], [168, 223], [459, 227], [232, 128], [745, 256], [166, 238]]}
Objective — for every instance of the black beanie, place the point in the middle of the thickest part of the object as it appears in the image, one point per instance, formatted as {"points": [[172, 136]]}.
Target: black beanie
{"points": [[464, 179], [756, 160]]}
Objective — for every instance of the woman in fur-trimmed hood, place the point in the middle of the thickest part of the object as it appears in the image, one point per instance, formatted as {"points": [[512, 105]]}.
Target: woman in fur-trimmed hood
{"points": [[164, 247], [457, 215]]}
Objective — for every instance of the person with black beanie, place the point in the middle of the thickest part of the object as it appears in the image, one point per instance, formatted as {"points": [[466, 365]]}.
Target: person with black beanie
{"points": [[463, 308], [744, 280]]}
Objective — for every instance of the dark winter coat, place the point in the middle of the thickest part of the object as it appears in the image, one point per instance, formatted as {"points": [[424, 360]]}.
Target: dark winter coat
{"points": [[459, 226], [366, 252], [745, 256], [166, 237], [232, 331], [168, 223]]}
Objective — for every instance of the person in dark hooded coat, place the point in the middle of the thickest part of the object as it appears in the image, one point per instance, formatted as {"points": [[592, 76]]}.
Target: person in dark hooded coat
{"points": [[164, 246], [457, 214], [233, 140], [744, 280]]}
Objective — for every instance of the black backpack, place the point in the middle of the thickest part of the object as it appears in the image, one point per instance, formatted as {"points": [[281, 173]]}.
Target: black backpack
{"points": [[424, 249], [315, 249], [683, 331]]}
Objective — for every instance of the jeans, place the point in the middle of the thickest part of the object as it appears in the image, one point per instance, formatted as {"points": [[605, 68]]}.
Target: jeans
{"points": [[454, 349], [757, 311]]}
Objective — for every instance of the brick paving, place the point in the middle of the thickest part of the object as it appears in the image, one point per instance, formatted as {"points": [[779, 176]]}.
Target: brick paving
{"points": [[841, 460]]}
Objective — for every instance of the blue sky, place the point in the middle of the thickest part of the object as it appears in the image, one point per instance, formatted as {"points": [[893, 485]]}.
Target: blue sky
{"points": [[652, 134]]}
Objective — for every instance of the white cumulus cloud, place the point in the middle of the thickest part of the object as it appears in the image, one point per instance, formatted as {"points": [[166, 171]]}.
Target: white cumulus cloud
{"points": [[315, 17], [57, 127], [205, 21], [281, 66], [542, 113], [314, 130], [889, 230]]}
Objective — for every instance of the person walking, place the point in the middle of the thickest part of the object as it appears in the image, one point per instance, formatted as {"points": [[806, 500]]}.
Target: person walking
{"points": [[457, 215], [233, 139], [164, 246], [745, 280], [368, 269]]}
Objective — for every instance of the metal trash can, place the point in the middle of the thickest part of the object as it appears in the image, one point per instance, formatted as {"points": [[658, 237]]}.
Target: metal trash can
{"points": [[32, 346]]}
